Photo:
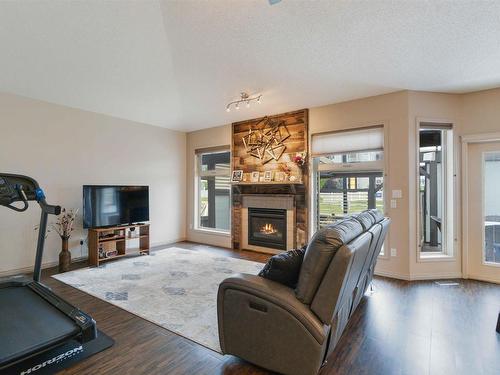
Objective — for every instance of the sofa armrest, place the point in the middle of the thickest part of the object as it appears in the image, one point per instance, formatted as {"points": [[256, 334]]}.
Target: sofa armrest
{"points": [[276, 294]]}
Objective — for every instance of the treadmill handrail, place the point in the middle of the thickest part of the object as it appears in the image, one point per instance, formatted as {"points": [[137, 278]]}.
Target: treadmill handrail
{"points": [[14, 184], [17, 188]]}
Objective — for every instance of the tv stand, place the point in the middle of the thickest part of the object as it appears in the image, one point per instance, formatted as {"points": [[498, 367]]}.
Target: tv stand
{"points": [[110, 243]]}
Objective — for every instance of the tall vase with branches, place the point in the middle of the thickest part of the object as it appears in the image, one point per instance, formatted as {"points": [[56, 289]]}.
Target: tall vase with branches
{"points": [[64, 227]]}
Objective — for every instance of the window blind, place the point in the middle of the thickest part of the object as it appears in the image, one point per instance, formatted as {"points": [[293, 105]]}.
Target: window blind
{"points": [[208, 150], [368, 139]]}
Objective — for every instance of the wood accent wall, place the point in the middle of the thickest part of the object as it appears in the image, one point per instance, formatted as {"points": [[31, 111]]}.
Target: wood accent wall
{"points": [[297, 124]]}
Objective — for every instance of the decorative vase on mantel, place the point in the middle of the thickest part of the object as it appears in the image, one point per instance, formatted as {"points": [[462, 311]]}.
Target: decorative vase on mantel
{"points": [[64, 256]]}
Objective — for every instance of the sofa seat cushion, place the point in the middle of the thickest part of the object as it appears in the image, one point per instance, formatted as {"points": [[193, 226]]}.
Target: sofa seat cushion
{"points": [[319, 253], [279, 296], [284, 268]]}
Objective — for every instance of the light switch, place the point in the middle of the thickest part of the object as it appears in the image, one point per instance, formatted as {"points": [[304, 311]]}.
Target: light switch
{"points": [[394, 252], [397, 194], [394, 203]]}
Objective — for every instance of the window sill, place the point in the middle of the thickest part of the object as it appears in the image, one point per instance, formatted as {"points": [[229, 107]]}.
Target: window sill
{"points": [[490, 264], [438, 257], [212, 232]]}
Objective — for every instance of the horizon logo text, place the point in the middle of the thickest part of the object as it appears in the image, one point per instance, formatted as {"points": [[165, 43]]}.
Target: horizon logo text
{"points": [[57, 358]]}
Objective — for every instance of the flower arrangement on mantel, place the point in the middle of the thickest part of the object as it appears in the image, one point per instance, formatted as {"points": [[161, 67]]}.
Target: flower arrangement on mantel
{"points": [[297, 164], [300, 159]]}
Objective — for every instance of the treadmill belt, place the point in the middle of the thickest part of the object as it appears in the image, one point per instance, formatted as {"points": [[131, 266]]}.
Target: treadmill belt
{"points": [[29, 323]]}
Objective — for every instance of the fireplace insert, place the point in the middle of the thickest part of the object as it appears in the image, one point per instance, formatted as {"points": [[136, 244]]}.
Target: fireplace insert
{"points": [[267, 228]]}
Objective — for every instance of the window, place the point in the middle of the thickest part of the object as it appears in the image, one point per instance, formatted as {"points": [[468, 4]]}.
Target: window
{"points": [[214, 190], [491, 207], [348, 173], [340, 194], [435, 186]]}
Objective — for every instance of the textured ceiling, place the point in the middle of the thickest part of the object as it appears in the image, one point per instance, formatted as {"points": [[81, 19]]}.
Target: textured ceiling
{"points": [[177, 63]]}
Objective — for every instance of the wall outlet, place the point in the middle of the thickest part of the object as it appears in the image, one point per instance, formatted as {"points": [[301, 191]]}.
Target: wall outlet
{"points": [[394, 203], [394, 252], [397, 194]]}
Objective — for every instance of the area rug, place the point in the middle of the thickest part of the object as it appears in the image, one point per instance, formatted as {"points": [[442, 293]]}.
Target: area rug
{"points": [[174, 288]]}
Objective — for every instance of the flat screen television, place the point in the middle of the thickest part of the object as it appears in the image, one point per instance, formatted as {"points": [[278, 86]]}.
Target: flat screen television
{"points": [[105, 206]]}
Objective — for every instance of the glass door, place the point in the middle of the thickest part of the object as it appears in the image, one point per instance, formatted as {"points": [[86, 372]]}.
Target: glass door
{"points": [[491, 207], [483, 211]]}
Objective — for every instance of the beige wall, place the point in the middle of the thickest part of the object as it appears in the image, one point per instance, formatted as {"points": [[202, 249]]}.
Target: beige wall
{"points": [[400, 113], [87, 148], [480, 112], [444, 108], [219, 136], [391, 110], [65, 148], [473, 113]]}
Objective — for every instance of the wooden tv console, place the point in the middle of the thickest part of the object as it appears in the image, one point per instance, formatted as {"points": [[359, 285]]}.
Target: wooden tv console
{"points": [[110, 243]]}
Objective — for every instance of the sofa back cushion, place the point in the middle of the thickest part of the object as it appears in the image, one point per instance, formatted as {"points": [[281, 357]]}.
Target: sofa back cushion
{"points": [[319, 253], [366, 219], [337, 289], [377, 215]]}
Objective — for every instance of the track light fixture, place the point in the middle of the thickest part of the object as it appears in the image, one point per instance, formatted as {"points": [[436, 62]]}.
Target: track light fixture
{"points": [[244, 98]]}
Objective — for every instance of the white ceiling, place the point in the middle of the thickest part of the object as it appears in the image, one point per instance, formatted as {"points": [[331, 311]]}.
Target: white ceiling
{"points": [[177, 63]]}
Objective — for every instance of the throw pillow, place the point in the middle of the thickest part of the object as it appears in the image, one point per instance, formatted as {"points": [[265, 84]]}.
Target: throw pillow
{"points": [[284, 268]]}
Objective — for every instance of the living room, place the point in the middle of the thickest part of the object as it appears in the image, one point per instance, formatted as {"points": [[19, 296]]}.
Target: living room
{"points": [[249, 187]]}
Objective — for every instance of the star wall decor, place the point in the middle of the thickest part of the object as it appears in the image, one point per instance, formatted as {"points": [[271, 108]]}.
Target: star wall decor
{"points": [[267, 142]]}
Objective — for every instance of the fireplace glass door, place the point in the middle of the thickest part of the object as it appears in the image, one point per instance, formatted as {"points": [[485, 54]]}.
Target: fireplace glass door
{"points": [[267, 228]]}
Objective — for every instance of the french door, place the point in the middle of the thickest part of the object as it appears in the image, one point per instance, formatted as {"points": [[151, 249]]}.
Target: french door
{"points": [[482, 212]]}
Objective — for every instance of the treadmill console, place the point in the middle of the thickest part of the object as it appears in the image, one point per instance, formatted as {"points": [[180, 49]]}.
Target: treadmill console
{"points": [[5, 188], [16, 188]]}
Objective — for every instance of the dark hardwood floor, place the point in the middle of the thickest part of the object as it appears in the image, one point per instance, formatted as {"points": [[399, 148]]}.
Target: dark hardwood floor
{"points": [[400, 328]]}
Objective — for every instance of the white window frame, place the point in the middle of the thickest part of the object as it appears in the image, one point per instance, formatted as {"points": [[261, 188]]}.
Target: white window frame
{"points": [[380, 165], [199, 173], [449, 241]]}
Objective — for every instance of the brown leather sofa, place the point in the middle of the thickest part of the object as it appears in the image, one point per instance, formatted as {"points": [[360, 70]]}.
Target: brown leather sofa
{"points": [[292, 331]]}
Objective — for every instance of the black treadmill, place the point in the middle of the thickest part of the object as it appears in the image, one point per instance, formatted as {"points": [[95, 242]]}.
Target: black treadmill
{"points": [[34, 320]]}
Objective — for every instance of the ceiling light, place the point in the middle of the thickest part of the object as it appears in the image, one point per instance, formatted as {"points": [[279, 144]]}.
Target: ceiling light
{"points": [[244, 98]]}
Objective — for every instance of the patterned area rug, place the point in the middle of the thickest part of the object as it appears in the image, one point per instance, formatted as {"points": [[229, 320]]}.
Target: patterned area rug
{"points": [[174, 288]]}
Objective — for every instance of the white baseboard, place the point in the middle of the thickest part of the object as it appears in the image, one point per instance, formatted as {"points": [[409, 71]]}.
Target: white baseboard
{"points": [[482, 278], [392, 275], [27, 270], [161, 245], [437, 276], [416, 277]]}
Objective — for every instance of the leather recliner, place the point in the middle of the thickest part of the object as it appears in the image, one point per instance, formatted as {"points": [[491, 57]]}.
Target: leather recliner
{"points": [[292, 331]]}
